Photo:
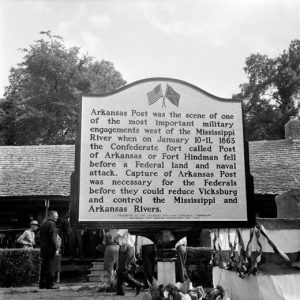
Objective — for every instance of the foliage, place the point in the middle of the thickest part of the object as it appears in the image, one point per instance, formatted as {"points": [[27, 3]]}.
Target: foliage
{"points": [[198, 265], [19, 267], [6, 120], [44, 92], [273, 85]]}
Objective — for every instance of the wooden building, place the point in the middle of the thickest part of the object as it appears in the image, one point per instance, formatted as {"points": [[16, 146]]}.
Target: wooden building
{"points": [[275, 167], [34, 177]]}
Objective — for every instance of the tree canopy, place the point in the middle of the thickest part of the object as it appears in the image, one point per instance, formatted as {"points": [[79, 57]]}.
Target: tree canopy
{"points": [[42, 99], [273, 85]]}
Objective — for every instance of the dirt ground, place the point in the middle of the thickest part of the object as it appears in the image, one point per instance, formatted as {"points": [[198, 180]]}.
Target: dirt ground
{"points": [[68, 293]]}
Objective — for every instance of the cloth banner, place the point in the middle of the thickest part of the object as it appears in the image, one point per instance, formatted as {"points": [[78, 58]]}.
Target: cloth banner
{"points": [[260, 287], [247, 251]]}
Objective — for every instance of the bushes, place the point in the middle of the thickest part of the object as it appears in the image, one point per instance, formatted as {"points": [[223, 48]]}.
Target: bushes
{"points": [[198, 266], [19, 267]]}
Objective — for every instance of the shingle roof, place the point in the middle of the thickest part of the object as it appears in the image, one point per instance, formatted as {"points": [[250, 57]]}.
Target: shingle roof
{"points": [[36, 170], [275, 165], [46, 170]]}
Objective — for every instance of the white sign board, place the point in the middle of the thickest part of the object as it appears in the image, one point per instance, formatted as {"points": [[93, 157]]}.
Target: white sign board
{"points": [[161, 150]]}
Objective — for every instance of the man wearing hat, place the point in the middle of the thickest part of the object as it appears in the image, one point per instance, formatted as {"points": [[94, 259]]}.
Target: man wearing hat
{"points": [[27, 238]]}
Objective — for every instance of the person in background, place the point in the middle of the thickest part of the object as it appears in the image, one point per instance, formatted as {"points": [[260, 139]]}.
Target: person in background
{"points": [[49, 249], [27, 238], [111, 253], [126, 261], [57, 262], [75, 242], [148, 259], [181, 274]]}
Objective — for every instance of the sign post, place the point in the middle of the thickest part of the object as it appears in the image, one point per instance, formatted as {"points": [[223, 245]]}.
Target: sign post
{"points": [[162, 154]]}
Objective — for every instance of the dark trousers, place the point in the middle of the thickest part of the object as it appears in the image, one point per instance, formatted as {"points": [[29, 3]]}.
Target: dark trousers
{"points": [[126, 255], [75, 242], [47, 270], [181, 274], [148, 258]]}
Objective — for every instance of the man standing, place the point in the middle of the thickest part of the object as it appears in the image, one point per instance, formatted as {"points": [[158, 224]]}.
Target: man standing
{"points": [[181, 274], [126, 259], [49, 249]]}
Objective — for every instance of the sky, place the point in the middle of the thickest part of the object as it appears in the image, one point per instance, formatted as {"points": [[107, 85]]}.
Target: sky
{"points": [[203, 42]]}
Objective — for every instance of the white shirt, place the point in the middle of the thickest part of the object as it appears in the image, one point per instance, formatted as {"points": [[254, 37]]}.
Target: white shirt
{"points": [[126, 237]]}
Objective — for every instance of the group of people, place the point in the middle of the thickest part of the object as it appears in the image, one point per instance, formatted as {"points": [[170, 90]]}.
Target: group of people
{"points": [[119, 256], [119, 259], [121, 263]]}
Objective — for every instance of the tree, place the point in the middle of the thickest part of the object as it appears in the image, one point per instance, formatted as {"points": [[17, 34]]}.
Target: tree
{"points": [[6, 120], [44, 91], [273, 84], [102, 77]]}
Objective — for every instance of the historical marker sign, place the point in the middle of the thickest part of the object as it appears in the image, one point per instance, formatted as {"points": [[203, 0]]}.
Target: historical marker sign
{"points": [[161, 152]]}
